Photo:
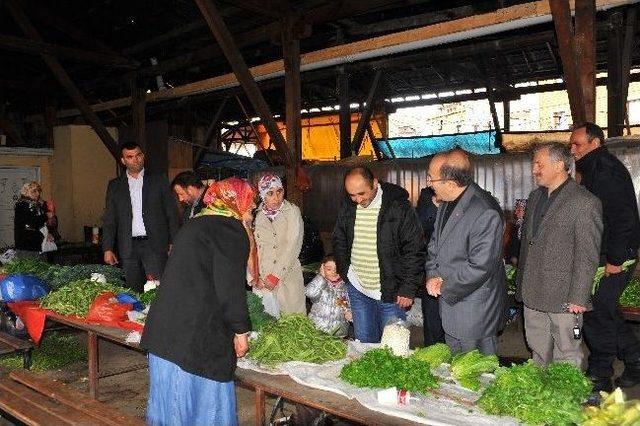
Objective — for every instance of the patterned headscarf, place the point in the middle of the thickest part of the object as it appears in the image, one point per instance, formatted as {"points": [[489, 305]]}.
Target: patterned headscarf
{"points": [[267, 183], [230, 197]]}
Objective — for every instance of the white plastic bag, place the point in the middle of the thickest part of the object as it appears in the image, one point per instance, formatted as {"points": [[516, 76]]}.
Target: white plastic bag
{"points": [[47, 245], [268, 301]]}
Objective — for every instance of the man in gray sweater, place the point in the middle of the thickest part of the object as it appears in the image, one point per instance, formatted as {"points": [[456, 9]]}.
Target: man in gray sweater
{"points": [[559, 255]]}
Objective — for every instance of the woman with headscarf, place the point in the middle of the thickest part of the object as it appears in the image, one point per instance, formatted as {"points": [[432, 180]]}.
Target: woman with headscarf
{"points": [[30, 217], [199, 323], [279, 231]]}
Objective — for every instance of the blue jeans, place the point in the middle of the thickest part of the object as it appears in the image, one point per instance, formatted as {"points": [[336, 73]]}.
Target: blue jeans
{"points": [[371, 315]]}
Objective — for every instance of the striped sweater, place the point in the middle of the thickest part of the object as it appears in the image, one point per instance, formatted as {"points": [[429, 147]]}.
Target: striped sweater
{"points": [[364, 251]]}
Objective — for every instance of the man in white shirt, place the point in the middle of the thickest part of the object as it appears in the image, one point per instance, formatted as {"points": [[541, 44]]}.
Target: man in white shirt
{"points": [[140, 220]]}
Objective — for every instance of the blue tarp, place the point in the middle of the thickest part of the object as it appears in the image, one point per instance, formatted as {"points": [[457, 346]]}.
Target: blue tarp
{"points": [[232, 164], [422, 146]]}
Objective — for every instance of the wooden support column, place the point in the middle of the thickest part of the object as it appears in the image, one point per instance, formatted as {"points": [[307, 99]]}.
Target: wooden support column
{"points": [[615, 102], [63, 78], [345, 113], [225, 41], [506, 107], [291, 54], [585, 54], [138, 112], [630, 30], [366, 112], [561, 13]]}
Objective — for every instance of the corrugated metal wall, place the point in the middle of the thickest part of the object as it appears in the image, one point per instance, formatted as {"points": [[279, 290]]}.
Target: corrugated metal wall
{"points": [[507, 176]]}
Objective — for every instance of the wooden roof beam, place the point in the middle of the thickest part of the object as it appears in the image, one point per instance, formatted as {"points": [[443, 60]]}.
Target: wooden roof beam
{"points": [[522, 15], [225, 41], [34, 47], [63, 78], [585, 53]]}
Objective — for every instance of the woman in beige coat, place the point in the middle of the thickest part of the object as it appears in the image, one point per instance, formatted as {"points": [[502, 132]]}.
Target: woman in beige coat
{"points": [[278, 232]]}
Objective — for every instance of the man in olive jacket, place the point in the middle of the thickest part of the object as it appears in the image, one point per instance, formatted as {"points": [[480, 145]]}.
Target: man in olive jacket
{"points": [[379, 252], [558, 257]]}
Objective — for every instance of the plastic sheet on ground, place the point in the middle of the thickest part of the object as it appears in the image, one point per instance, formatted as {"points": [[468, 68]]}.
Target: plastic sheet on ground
{"points": [[450, 404]]}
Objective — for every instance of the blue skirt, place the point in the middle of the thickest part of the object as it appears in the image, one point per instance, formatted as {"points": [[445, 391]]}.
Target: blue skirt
{"points": [[179, 398]]}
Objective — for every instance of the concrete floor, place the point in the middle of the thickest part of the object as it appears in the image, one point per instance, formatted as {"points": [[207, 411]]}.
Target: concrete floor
{"points": [[128, 391]]}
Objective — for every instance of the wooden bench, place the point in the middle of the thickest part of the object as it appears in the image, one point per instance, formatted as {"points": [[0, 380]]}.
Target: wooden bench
{"points": [[34, 400], [10, 344]]}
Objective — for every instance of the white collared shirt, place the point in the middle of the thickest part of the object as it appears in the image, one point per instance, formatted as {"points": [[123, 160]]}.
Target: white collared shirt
{"points": [[135, 191]]}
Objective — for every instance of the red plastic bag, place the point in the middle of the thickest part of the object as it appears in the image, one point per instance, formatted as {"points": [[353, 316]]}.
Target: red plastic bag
{"points": [[106, 310]]}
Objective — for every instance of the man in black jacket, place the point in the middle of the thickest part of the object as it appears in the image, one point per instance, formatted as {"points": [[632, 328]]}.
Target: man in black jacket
{"points": [[189, 190], [606, 332], [139, 221], [379, 251], [427, 210]]}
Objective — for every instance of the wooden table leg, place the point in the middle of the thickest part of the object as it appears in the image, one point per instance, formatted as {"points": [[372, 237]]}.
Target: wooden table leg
{"points": [[260, 399], [92, 352]]}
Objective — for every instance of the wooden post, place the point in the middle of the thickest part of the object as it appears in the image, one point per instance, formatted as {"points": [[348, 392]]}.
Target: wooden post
{"points": [[561, 13], [506, 107], [629, 37], [138, 116], [291, 54], [374, 141], [225, 41], [63, 78], [615, 103], [366, 113], [585, 54], [345, 113]]}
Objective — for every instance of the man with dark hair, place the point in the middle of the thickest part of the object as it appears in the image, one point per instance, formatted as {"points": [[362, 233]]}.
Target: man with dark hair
{"points": [[189, 190], [140, 218], [379, 252], [464, 261], [558, 257], [606, 332]]}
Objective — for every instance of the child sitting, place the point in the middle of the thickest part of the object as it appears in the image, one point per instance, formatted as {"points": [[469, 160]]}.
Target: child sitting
{"points": [[328, 294]]}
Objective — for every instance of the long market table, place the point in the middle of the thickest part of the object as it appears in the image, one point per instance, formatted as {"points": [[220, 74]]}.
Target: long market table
{"points": [[263, 384], [94, 333], [329, 402]]}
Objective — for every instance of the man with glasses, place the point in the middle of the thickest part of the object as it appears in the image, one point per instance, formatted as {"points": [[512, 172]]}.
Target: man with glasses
{"points": [[464, 265]]}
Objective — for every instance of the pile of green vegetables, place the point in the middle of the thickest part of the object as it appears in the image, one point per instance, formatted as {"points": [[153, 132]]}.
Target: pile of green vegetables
{"points": [[536, 395], [56, 350], [259, 318], [631, 295], [58, 276], [467, 368], [614, 409], [28, 266], [511, 272], [380, 368], [433, 355], [76, 297], [293, 337], [148, 297]]}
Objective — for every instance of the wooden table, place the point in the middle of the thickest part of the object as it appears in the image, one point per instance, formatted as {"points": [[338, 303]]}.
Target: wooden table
{"points": [[329, 402], [95, 332]]}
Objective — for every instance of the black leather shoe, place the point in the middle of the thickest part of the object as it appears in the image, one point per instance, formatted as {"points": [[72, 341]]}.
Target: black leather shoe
{"points": [[601, 384]]}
